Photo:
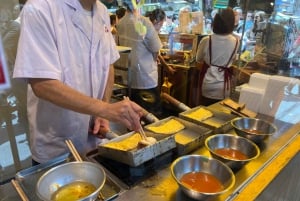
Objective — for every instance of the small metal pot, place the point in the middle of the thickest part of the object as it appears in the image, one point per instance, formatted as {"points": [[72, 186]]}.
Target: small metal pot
{"points": [[68, 173]]}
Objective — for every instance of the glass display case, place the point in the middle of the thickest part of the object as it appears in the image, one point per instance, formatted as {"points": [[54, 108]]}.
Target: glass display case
{"points": [[275, 51]]}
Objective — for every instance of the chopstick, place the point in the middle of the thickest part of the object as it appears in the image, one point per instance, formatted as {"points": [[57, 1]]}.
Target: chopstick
{"points": [[19, 190], [78, 158], [141, 130], [73, 150], [143, 134]]}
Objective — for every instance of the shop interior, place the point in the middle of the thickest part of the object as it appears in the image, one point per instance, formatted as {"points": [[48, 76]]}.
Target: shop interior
{"points": [[268, 60]]}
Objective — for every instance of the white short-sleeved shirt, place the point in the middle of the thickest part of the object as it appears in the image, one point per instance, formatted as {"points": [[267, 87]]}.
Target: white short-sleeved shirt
{"points": [[222, 48], [57, 42], [143, 63]]}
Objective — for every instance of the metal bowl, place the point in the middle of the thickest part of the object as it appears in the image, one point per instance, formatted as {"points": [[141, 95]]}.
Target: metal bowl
{"points": [[254, 129], [229, 141], [198, 163], [68, 173]]}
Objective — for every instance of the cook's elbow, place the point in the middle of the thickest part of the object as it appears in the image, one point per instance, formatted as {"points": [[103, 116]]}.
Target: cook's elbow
{"points": [[37, 87]]}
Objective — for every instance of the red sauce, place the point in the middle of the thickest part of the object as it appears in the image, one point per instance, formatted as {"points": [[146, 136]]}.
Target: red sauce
{"points": [[201, 182], [253, 131], [231, 154]]}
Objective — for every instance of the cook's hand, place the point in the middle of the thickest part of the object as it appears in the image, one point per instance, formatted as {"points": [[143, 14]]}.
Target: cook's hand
{"points": [[99, 127], [126, 112], [171, 69]]}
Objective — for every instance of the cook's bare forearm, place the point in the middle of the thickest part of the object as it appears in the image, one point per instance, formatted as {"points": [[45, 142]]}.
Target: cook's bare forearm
{"points": [[64, 96], [109, 85]]}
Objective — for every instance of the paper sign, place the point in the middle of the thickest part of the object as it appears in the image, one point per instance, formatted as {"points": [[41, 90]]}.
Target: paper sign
{"points": [[4, 76]]}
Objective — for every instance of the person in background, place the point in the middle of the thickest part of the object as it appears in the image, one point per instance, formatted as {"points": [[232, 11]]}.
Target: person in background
{"points": [[213, 13], [217, 52], [239, 20], [120, 12], [238, 24], [157, 17], [168, 25], [137, 31], [249, 20], [175, 20], [246, 41], [260, 25], [255, 35], [68, 66], [113, 29]]}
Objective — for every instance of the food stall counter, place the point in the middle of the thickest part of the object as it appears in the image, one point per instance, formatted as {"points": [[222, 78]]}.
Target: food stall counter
{"points": [[160, 185]]}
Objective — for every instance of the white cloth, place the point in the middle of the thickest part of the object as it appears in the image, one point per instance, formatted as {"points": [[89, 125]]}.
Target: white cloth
{"points": [[222, 47], [57, 43], [143, 63]]}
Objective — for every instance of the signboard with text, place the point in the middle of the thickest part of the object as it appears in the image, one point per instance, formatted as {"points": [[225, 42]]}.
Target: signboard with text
{"points": [[4, 76]]}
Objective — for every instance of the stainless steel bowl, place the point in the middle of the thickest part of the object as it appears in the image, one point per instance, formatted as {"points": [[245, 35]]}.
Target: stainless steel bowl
{"points": [[199, 163], [68, 173], [254, 129], [229, 141]]}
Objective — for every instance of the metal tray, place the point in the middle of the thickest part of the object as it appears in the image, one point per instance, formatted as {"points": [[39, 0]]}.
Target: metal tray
{"points": [[188, 139], [219, 122], [29, 177], [138, 156]]}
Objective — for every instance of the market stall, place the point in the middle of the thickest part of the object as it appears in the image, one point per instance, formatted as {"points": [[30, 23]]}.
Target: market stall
{"points": [[152, 179]]}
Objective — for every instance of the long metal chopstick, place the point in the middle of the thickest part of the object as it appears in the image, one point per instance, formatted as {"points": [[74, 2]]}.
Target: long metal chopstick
{"points": [[141, 130]]}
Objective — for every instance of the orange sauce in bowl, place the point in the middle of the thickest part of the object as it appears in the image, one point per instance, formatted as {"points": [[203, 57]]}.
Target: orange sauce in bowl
{"points": [[231, 154], [202, 182]]}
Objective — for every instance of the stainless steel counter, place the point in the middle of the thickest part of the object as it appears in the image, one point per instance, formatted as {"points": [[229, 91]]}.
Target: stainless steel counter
{"points": [[161, 186]]}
